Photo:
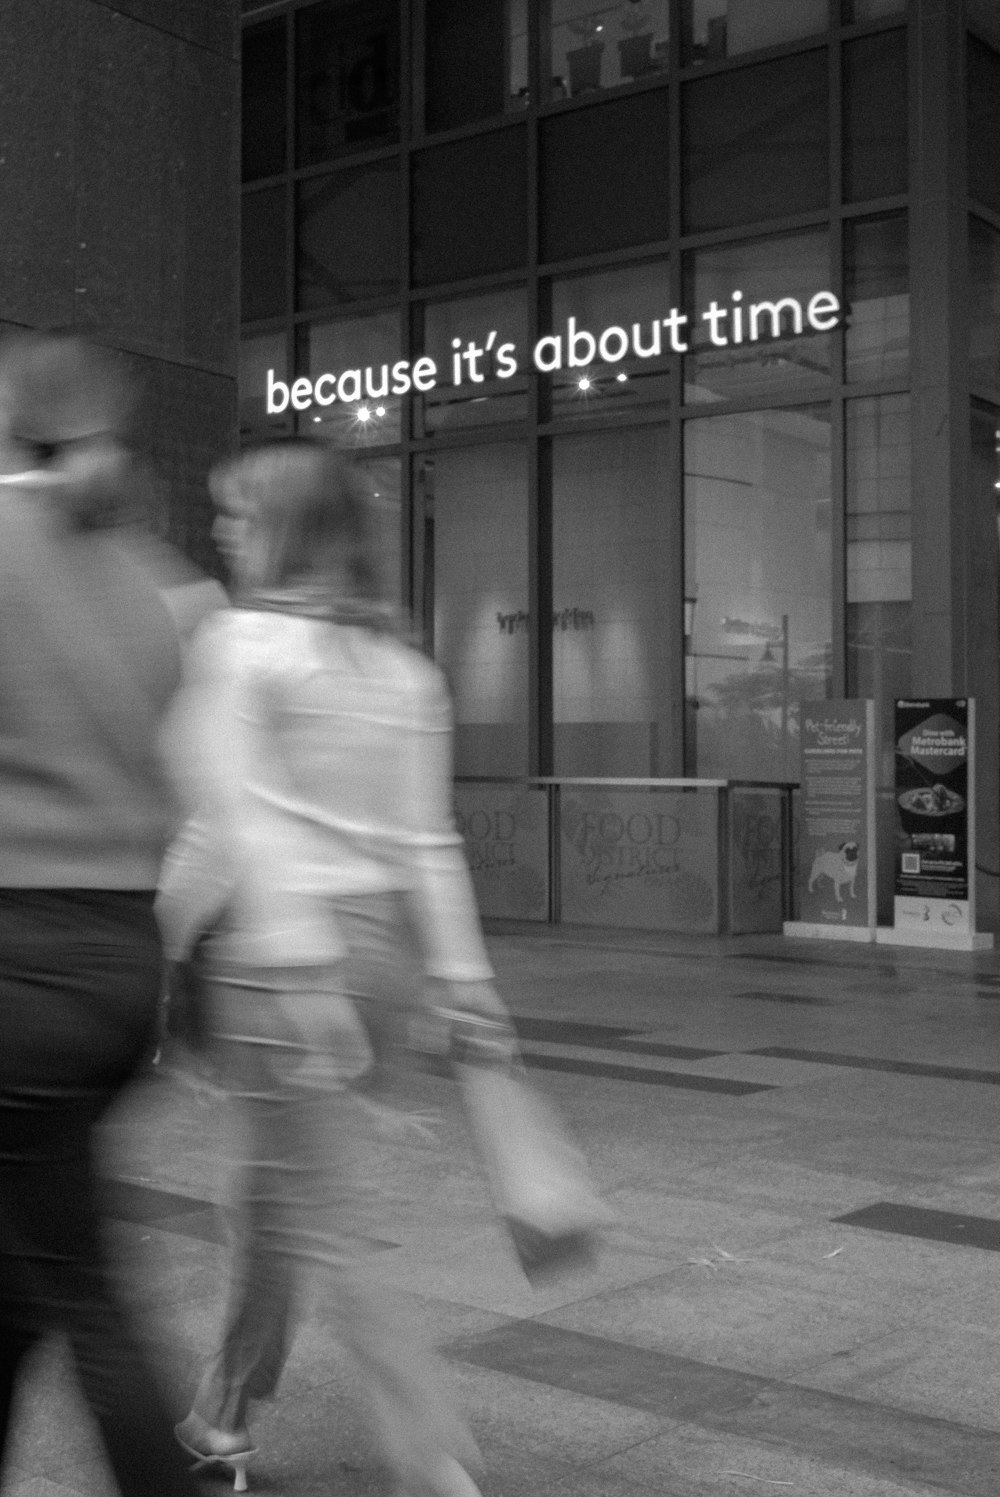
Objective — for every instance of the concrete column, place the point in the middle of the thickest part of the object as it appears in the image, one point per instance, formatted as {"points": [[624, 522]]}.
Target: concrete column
{"points": [[954, 530], [119, 205]]}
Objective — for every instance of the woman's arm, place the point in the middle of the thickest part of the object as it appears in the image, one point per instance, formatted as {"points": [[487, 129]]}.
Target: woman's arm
{"points": [[443, 897]]}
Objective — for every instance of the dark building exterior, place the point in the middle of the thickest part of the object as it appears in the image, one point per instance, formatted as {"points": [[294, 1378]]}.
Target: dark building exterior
{"points": [[119, 148], [669, 331]]}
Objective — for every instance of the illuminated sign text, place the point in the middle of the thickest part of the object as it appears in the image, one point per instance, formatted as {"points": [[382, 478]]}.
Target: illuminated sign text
{"points": [[727, 324]]}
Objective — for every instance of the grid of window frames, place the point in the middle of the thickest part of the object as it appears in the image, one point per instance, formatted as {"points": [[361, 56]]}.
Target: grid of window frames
{"points": [[472, 235]]}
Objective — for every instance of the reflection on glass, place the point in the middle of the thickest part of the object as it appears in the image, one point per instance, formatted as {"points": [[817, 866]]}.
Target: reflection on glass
{"points": [[984, 303], [771, 282], [860, 12], [597, 168], [262, 285], [346, 77], [597, 44], [757, 587], [755, 142], [476, 60], [347, 242], [877, 293], [879, 583], [612, 604], [383, 481], [983, 93], [263, 93], [984, 15], [876, 139], [257, 357], [474, 502], [457, 233], [609, 316], [714, 29], [350, 367], [479, 347], [517, 53]]}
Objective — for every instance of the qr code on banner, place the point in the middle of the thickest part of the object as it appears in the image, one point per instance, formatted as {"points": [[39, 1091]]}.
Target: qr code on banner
{"points": [[911, 862]]}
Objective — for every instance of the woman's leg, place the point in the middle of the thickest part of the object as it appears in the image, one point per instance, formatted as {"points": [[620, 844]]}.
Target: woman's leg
{"points": [[263, 1055], [421, 1435], [285, 1052], [79, 987]]}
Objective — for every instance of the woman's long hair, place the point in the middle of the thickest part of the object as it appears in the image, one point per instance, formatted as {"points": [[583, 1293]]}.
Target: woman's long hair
{"points": [[312, 530]]}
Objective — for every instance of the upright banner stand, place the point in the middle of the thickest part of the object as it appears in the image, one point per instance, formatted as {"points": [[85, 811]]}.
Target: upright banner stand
{"points": [[935, 796], [836, 844]]}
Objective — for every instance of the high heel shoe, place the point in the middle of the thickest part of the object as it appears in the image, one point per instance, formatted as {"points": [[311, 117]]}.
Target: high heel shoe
{"points": [[216, 1447]]}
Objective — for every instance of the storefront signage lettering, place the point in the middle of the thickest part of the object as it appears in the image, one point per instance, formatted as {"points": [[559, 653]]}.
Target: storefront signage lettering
{"points": [[728, 324], [506, 833], [563, 619]]}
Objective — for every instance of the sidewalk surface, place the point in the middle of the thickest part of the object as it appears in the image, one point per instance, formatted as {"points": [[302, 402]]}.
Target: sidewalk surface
{"points": [[802, 1293]]}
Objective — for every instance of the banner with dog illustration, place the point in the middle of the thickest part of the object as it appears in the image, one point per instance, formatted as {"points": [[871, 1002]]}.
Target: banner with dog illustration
{"points": [[932, 793], [835, 874]]}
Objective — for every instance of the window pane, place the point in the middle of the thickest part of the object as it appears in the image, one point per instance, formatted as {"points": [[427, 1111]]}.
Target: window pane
{"points": [[714, 29], [346, 78], [476, 58], [383, 480], [257, 358], [347, 240], [476, 551], [879, 588], [875, 134], [877, 293], [355, 402], [604, 177], [613, 613], [264, 255], [613, 313], [492, 333], [984, 123], [458, 233], [602, 46], [860, 12], [985, 16], [776, 279], [984, 303], [757, 587], [264, 99], [755, 142]]}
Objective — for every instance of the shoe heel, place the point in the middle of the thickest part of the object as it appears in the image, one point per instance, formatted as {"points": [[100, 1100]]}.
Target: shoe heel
{"points": [[239, 1464]]}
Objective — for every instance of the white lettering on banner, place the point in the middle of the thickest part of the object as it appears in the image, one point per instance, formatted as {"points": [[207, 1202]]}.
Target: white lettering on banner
{"points": [[576, 347]]}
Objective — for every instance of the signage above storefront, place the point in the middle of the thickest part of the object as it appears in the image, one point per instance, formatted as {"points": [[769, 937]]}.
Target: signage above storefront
{"points": [[729, 324]]}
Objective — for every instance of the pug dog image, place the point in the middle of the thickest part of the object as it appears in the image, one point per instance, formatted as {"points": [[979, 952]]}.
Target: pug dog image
{"points": [[840, 867]]}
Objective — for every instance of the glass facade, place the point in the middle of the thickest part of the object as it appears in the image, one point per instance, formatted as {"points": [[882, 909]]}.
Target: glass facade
{"points": [[625, 306], [757, 586], [473, 548], [879, 549], [611, 612]]}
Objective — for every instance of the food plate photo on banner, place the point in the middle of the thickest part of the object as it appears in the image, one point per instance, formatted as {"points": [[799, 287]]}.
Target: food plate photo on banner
{"points": [[934, 795], [835, 851]]}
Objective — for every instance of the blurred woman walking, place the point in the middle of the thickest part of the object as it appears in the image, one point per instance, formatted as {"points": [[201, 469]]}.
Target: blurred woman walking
{"points": [[314, 749]]}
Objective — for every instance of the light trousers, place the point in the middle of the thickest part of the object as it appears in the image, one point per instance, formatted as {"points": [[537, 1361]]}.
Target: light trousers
{"points": [[286, 1045]]}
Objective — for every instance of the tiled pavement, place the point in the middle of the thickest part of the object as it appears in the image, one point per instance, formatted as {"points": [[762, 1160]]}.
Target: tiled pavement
{"points": [[801, 1294]]}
